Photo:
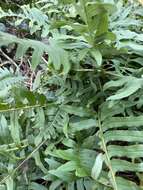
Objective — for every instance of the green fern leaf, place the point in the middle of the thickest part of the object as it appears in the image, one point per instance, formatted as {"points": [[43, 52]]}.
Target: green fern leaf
{"points": [[39, 48]]}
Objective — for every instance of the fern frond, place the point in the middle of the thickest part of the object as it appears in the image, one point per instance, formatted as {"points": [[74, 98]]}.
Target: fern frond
{"points": [[7, 78], [130, 86], [37, 20], [126, 24], [58, 55], [7, 81], [121, 158]]}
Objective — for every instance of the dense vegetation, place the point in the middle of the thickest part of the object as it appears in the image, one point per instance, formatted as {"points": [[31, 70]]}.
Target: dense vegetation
{"points": [[71, 95]]}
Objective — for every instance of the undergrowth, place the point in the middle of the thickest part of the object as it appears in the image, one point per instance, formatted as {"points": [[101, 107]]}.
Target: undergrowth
{"points": [[71, 95]]}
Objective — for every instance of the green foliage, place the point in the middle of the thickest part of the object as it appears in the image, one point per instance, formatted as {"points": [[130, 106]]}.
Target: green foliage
{"points": [[36, 19], [38, 50], [79, 127], [7, 80]]}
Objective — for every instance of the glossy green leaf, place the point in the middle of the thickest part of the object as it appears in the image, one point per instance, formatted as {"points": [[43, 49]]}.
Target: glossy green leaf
{"points": [[79, 111], [15, 127], [97, 56], [116, 122], [96, 170], [82, 125]]}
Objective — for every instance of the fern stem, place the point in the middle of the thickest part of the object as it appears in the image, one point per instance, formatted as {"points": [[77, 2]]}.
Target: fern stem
{"points": [[22, 108], [106, 154]]}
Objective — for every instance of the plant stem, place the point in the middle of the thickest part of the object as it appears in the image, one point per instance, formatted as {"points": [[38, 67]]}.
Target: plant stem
{"points": [[106, 154]]}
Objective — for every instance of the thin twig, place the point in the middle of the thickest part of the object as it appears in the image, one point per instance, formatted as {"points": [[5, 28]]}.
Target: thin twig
{"points": [[45, 60], [31, 80], [3, 64], [7, 57], [21, 61]]}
